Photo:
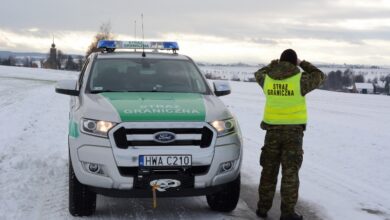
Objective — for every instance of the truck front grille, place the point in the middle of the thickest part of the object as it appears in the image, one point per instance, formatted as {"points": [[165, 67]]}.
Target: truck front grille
{"points": [[132, 137]]}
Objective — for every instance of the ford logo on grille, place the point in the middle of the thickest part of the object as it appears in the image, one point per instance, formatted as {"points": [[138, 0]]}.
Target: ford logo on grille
{"points": [[164, 137]]}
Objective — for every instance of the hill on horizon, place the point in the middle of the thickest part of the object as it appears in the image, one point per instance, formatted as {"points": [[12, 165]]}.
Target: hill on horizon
{"points": [[6, 54]]}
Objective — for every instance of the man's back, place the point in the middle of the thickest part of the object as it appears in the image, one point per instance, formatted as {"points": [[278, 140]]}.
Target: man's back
{"points": [[311, 79]]}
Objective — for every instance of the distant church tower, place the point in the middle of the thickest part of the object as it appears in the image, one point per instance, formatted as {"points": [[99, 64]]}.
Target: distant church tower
{"points": [[53, 51], [51, 62]]}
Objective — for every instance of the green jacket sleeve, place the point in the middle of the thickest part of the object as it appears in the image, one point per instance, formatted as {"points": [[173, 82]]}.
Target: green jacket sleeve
{"points": [[312, 77], [260, 74]]}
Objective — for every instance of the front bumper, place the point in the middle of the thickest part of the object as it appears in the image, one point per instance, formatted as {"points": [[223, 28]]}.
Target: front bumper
{"points": [[224, 149], [147, 193]]}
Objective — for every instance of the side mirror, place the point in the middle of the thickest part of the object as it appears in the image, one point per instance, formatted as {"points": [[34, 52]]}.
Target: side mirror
{"points": [[67, 87], [221, 88]]}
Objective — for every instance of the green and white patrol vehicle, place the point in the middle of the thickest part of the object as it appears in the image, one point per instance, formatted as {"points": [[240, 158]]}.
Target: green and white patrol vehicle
{"points": [[144, 123]]}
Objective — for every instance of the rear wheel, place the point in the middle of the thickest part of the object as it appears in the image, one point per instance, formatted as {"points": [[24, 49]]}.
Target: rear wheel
{"points": [[82, 202], [225, 200]]}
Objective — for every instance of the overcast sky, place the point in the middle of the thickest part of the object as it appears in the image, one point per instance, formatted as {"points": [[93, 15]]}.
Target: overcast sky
{"points": [[251, 31]]}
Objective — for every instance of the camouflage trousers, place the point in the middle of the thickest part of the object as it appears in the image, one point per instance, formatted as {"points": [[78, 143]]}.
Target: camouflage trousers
{"points": [[281, 147]]}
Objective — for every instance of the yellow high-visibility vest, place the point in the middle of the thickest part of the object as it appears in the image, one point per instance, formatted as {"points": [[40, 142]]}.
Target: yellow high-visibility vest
{"points": [[285, 104]]}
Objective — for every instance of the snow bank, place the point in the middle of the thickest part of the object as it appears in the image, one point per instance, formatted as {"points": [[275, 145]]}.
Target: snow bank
{"points": [[37, 74]]}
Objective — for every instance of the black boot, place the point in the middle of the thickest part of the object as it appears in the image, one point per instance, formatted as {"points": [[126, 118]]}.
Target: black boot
{"points": [[261, 214], [293, 216]]}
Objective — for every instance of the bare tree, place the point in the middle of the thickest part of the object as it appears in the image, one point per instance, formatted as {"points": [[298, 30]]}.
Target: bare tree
{"points": [[70, 64], [80, 62], [60, 56], [359, 78], [103, 34]]}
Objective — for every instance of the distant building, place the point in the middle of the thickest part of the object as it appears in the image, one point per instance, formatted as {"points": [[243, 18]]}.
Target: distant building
{"points": [[364, 88], [51, 62], [19, 63], [36, 64]]}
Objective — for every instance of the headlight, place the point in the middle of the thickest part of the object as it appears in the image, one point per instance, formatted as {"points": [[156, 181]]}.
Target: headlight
{"points": [[224, 127], [96, 127]]}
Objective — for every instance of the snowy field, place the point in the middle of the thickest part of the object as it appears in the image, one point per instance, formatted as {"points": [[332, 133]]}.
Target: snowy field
{"points": [[345, 173], [244, 73]]}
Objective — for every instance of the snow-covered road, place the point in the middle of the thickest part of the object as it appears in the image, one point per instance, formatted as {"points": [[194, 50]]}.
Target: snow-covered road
{"points": [[345, 173]]}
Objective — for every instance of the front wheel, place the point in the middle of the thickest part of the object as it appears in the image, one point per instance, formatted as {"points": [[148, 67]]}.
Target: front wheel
{"points": [[225, 200], [82, 202]]}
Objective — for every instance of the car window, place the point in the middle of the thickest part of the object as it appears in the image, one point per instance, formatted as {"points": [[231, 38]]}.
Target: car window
{"points": [[146, 75], [81, 76]]}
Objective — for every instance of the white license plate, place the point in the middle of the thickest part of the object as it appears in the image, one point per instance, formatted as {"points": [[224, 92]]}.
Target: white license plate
{"points": [[165, 160]]}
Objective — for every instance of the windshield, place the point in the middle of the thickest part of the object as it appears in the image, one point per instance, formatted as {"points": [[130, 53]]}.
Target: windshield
{"points": [[145, 75]]}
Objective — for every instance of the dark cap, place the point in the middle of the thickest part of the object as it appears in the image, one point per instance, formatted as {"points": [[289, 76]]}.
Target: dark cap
{"points": [[290, 56]]}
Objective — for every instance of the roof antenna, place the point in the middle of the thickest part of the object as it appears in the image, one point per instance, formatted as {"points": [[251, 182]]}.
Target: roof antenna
{"points": [[135, 32], [143, 37], [53, 44]]}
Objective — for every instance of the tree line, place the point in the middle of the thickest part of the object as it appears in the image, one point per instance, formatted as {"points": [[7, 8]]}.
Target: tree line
{"points": [[340, 80], [65, 62]]}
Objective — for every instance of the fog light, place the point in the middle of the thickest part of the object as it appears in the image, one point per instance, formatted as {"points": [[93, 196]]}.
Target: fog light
{"points": [[226, 166], [94, 168]]}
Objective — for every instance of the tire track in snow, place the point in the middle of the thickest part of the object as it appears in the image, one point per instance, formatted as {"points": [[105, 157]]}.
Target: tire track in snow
{"points": [[52, 203]]}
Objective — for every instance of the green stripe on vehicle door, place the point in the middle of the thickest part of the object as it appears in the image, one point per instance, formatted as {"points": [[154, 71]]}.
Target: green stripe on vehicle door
{"points": [[73, 129], [157, 106]]}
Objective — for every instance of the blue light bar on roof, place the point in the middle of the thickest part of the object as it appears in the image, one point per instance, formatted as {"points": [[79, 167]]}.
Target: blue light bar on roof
{"points": [[115, 44]]}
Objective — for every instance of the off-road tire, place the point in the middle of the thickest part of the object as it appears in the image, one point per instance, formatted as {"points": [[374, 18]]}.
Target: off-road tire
{"points": [[225, 200], [82, 202]]}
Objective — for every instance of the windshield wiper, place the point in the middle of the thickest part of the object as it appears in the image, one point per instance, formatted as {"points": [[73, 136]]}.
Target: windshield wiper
{"points": [[100, 91]]}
